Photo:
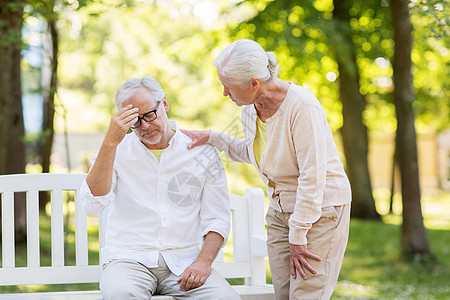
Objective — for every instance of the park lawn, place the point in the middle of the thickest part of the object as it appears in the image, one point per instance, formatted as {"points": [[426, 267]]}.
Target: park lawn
{"points": [[371, 269]]}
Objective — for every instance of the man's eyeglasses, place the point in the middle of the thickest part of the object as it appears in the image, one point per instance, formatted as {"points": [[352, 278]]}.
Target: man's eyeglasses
{"points": [[148, 117]]}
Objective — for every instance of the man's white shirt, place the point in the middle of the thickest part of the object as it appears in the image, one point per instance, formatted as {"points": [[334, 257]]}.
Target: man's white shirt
{"points": [[164, 207]]}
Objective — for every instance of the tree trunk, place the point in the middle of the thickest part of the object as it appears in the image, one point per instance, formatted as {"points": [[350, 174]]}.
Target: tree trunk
{"points": [[354, 132], [49, 102], [414, 235], [49, 109], [12, 132], [393, 174]]}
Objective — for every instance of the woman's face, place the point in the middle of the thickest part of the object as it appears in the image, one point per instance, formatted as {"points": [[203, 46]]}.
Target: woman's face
{"points": [[239, 94]]}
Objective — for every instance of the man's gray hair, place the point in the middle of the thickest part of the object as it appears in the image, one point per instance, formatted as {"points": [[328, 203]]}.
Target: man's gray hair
{"points": [[245, 59], [129, 88]]}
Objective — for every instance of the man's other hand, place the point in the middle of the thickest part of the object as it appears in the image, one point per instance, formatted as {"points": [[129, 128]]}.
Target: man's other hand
{"points": [[195, 275]]}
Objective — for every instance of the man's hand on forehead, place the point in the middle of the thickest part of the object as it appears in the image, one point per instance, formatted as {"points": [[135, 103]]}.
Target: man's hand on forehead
{"points": [[120, 123]]}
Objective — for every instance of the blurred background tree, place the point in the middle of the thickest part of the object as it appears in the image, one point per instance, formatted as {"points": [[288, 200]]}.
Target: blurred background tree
{"points": [[414, 235], [49, 13], [12, 132]]}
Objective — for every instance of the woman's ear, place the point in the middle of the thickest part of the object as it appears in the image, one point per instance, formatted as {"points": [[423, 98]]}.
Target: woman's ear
{"points": [[255, 82]]}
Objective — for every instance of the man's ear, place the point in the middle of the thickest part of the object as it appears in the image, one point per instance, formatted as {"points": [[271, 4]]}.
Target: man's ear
{"points": [[166, 104]]}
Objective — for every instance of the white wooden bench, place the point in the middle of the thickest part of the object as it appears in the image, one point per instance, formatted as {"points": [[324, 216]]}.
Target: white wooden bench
{"points": [[248, 239]]}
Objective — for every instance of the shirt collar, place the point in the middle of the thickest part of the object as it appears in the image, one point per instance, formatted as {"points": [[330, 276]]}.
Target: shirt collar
{"points": [[174, 140]]}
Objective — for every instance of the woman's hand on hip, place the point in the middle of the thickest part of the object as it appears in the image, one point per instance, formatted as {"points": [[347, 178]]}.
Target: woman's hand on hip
{"points": [[199, 137], [299, 253]]}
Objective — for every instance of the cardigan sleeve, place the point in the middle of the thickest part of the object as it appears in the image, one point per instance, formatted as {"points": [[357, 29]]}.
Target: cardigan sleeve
{"points": [[235, 148], [309, 137]]}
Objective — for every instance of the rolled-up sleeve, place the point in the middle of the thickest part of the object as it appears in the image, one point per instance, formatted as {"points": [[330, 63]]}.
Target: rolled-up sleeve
{"points": [[215, 206], [94, 205]]}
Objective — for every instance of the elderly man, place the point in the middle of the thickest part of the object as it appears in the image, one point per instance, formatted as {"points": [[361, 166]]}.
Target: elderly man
{"points": [[162, 202]]}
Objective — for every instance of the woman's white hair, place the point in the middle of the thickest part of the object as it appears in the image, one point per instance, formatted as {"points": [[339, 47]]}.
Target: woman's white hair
{"points": [[245, 59], [129, 88]]}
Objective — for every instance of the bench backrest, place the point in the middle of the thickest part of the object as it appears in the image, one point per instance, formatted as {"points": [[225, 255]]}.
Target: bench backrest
{"points": [[248, 234]]}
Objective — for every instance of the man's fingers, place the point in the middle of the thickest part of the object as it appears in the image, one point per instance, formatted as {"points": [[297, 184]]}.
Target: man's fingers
{"points": [[189, 283], [130, 120], [202, 280], [182, 282], [196, 282], [125, 108], [131, 113]]}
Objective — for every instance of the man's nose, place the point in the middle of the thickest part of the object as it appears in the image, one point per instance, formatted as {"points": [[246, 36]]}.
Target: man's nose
{"points": [[145, 124], [226, 92]]}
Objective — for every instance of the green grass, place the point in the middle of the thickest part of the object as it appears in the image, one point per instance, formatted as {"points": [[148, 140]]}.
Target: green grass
{"points": [[372, 268]]}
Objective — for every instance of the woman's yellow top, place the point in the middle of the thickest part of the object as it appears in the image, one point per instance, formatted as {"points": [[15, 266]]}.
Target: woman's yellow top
{"points": [[260, 139], [260, 143]]}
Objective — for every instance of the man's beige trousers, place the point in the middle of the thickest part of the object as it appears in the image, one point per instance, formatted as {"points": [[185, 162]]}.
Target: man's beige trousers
{"points": [[327, 238], [128, 279]]}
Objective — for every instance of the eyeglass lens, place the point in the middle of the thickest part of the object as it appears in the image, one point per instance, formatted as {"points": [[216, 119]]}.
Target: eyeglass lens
{"points": [[148, 117]]}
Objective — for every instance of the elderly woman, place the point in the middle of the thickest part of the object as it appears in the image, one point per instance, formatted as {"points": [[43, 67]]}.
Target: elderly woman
{"points": [[289, 141]]}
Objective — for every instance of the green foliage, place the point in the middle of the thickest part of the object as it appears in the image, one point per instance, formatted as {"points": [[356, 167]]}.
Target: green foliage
{"points": [[10, 34], [300, 35], [115, 44], [107, 42], [431, 59]]}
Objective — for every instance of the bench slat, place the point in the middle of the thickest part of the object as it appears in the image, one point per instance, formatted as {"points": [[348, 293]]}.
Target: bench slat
{"points": [[246, 293], [234, 269], [81, 240], [51, 275], [33, 228], [258, 239], [240, 226], [8, 260], [41, 182], [57, 222]]}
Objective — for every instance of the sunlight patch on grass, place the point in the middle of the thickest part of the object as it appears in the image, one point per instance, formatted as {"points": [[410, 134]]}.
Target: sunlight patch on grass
{"points": [[33, 288], [348, 289]]}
